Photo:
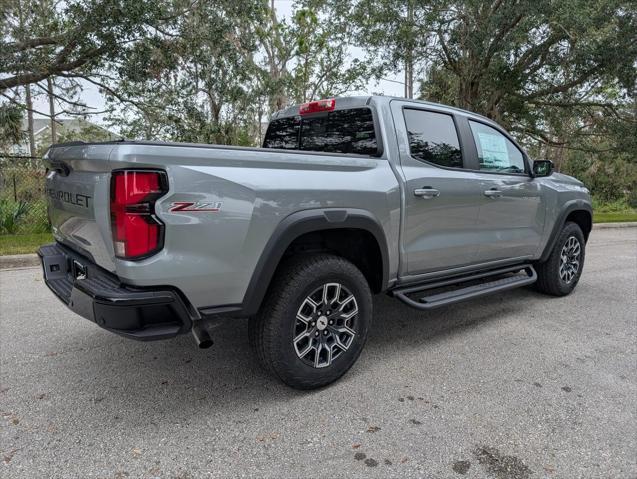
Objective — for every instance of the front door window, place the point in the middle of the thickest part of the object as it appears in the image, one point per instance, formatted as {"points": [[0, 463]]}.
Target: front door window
{"points": [[495, 151]]}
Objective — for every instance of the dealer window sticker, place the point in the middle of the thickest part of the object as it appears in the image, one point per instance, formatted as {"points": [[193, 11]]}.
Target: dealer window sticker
{"points": [[494, 150]]}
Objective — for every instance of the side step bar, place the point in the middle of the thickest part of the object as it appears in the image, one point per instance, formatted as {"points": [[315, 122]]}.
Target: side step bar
{"points": [[462, 288]]}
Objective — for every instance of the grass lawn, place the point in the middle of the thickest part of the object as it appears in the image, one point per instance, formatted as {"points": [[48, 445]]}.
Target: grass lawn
{"points": [[18, 244], [615, 217]]}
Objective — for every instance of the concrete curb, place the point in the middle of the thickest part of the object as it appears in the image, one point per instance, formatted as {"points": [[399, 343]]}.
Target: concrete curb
{"points": [[603, 226], [13, 261], [30, 260]]}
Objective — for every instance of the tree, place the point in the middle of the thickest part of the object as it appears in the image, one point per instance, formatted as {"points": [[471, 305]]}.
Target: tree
{"points": [[192, 81], [320, 63], [394, 33], [78, 35], [545, 70], [50, 46], [277, 44], [11, 125], [305, 57], [215, 74]]}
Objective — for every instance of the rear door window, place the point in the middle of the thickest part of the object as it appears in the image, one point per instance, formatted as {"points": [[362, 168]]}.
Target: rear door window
{"points": [[433, 138], [340, 131]]}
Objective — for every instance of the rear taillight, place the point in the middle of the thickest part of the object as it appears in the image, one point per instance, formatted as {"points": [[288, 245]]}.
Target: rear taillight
{"points": [[317, 106], [137, 232]]}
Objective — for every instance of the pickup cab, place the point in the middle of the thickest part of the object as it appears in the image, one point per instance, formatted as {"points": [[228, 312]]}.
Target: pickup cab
{"points": [[348, 197]]}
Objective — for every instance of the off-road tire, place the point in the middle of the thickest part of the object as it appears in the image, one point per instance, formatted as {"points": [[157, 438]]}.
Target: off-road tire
{"points": [[549, 280], [272, 330]]}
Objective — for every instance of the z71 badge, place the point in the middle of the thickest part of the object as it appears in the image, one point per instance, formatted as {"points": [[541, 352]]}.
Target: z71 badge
{"points": [[196, 206]]}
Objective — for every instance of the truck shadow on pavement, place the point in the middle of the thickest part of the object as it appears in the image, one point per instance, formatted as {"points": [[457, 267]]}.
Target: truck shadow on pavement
{"points": [[397, 327], [121, 373]]}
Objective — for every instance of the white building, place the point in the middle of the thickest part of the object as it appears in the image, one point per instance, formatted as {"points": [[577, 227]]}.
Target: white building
{"points": [[67, 129]]}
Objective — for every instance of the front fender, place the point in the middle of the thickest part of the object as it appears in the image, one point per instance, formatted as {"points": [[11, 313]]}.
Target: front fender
{"points": [[568, 207]]}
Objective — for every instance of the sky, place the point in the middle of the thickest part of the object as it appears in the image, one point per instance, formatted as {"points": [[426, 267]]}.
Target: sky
{"points": [[92, 97]]}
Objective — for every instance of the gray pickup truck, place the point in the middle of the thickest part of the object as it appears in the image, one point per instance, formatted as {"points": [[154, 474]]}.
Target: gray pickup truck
{"points": [[347, 198]]}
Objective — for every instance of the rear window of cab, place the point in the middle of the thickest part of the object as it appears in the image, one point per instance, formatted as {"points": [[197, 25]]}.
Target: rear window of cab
{"points": [[340, 131]]}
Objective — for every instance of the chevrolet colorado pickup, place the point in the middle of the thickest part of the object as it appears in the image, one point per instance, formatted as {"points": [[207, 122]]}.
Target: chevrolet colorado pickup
{"points": [[348, 197]]}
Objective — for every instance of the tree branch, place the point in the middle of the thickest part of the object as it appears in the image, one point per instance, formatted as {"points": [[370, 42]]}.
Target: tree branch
{"points": [[562, 87], [497, 40], [543, 138], [54, 69], [106, 88], [15, 102], [453, 65], [61, 98], [15, 47]]}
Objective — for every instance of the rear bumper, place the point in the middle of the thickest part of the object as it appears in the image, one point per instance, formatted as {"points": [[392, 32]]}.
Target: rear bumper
{"points": [[138, 313]]}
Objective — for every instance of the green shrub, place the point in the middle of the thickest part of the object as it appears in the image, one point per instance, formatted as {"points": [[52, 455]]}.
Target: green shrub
{"points": [[11, 214], [616, 206], [610, 178], [23, 207]]}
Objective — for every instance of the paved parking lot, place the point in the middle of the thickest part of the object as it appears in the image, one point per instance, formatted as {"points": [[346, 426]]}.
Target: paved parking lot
{"points": [[516, 386]]}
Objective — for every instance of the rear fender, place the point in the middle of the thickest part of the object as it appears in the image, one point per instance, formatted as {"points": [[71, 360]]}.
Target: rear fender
{"points": [[292, 227]]}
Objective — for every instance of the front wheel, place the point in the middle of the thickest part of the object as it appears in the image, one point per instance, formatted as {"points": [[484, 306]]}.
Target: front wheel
{"points": [[314, 321], [561, 272]]}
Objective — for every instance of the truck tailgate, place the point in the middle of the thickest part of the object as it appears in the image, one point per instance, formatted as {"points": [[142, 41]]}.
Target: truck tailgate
{"points": [[77, 188]]}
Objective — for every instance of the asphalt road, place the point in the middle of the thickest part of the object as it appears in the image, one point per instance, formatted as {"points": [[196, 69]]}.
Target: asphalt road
{"points": [[516, 386]]}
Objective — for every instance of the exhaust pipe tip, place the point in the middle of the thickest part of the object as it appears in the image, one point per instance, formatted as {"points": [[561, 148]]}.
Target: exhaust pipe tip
{"points": [[201, 335]]}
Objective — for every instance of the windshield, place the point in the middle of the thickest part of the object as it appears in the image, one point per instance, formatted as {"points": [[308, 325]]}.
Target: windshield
{"points": [[341, 131]]}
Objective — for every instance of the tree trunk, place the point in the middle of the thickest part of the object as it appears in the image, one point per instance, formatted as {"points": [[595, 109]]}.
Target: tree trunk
{"points": [[409, 77], [49, 84], [279, 99], [30, 132], [409, 53], [27, 89], [469, 94]]}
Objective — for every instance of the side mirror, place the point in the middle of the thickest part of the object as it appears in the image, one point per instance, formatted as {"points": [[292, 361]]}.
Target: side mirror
{"points": [[542, 168]]}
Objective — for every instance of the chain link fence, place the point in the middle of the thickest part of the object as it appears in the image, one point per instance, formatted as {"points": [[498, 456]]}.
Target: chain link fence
{"points": [[22, 196]]}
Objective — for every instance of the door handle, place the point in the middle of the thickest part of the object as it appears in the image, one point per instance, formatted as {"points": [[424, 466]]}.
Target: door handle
{"points": [[493, 193], [426, 193]]}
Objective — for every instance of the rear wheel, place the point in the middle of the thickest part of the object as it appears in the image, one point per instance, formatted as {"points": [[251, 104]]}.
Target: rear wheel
{"points": [[314, 321], [561, 272]]}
